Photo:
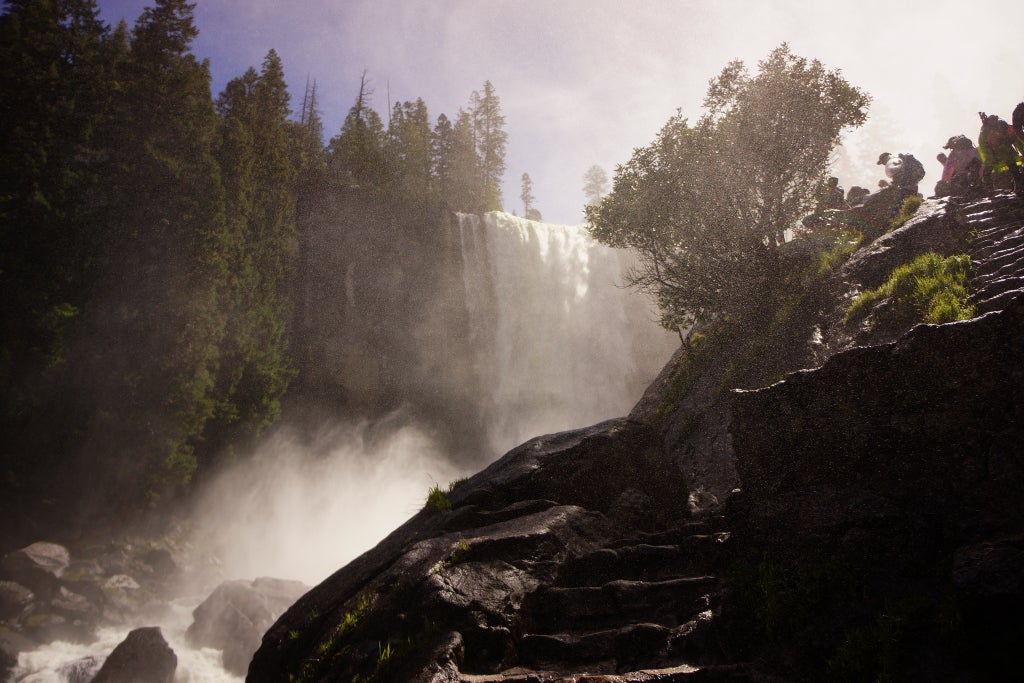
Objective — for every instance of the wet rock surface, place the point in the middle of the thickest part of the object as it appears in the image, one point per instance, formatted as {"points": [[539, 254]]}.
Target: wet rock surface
{"points": [[143, 657], [536, 573], [235, 616]]}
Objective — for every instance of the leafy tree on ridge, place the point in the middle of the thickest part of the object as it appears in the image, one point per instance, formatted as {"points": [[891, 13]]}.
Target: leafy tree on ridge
{"points": [[705, 205]]}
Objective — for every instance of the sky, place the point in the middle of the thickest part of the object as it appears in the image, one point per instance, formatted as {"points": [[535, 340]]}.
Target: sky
{"points": [[585, 82]]}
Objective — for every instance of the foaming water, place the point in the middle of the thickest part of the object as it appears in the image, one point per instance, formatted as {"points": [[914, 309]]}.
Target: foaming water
{"points": [[63, 662], [300, 510]]}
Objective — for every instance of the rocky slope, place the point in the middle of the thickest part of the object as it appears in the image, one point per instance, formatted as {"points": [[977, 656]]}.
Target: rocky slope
{"points": [[876, 534]]}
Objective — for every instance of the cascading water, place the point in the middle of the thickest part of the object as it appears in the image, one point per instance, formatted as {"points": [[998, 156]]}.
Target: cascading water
{"points": [[559, 344], [554, 342]]}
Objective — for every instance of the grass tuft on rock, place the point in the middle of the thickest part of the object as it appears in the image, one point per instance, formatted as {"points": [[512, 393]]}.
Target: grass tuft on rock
{"points": [[929, 289]]}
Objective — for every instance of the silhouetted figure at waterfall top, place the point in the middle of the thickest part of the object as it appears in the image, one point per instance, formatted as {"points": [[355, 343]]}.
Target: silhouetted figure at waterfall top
{"points": [[1002, 153]]}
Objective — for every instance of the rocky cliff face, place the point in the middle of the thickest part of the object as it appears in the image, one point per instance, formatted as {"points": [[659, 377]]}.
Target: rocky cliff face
{"points": [[876, 533]]}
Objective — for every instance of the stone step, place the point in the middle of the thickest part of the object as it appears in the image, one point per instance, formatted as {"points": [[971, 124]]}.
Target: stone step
{"points": [[982, 251], [993, 269], [668, 603], [687, 556], [998, 302], [675, 534], [618, 649], [681, 673], [996, 287]]}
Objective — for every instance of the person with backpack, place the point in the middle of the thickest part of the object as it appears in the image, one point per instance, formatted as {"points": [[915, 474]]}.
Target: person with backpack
{"points": [[904, 171], [998, 147], [913, 173], [961, 170]]}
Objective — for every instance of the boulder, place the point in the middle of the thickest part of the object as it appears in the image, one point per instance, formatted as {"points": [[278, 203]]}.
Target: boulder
{"points": [[235, 616], [11, 644], [14, 598], [934, 227], [75, 606], [161, 562], [82, 670], [46, 627], [143, 657], [446, 590], [120, 593], [38, 566]]}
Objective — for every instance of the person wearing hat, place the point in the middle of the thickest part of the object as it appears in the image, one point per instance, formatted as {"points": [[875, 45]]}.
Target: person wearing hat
{"points": [[961, 173], [904, 170]]}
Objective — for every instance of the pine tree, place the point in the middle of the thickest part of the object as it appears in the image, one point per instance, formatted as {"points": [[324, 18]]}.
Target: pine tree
{"points": [[595, 185], [164, 317], [526, 195], [356, 154], [491, 140], [466, 192], [55, 73], [259, 169], [442, 146], [409, 153], [58, 67]]}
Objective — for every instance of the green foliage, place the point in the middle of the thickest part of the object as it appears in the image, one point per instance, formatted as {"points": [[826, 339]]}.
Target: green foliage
{"points": [[149, 239], [337, 644], [437, 500], [907, 210], [700, 349], [929, 289], [846, 241], [460, 553], [705, 204]]}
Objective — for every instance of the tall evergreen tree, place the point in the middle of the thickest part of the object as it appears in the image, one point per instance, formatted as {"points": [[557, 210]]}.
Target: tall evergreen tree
{"points": [[164, 318], [466, 188], [526, 194], [259, 169], [442, 146], [56, 75], [357, 153], [595, 185], [491, 140], [409, 153], [58, 68]]}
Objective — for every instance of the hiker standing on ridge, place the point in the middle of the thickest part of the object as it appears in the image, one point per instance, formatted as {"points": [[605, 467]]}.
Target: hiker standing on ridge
{"points": [[1001, 150], [904, 170], [961, 171]]}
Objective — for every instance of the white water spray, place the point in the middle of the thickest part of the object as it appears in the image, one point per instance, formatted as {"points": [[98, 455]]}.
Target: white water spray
{"points": [[560, 344], [556, 344]]}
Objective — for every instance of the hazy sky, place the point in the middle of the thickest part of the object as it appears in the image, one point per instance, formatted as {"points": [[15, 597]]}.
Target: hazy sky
{"points": [[584, 82]]}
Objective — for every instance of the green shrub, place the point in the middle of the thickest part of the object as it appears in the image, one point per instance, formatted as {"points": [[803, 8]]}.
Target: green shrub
{"points": [[929, 289], [437, 499], [907, 210]]}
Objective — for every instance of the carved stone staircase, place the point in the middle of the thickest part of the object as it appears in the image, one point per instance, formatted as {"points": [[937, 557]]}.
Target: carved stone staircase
{"points": [[640, 609], [996, 249]]}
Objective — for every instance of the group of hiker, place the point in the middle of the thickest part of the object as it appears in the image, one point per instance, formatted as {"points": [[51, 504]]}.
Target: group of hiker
{"points": [[996, 163]]}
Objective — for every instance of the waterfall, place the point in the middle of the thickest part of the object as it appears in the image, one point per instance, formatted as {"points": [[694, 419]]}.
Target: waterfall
{"points": [[558, 342], [530, 331]]}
